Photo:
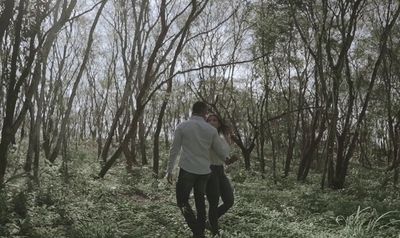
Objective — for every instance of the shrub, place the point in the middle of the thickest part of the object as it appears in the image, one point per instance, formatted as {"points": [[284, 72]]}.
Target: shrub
{"points": [[19, 204], [364, 223]]}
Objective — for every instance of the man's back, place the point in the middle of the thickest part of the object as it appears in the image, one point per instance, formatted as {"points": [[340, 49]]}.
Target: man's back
{"points": [[195, 136]]}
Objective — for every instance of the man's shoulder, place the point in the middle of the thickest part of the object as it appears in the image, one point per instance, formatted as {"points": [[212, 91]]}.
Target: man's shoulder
{"points": [[209, 127], [184, 124], [192, 124]]}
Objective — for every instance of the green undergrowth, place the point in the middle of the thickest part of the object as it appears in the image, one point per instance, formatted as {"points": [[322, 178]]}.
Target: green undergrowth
{"points": [[137, 205]]}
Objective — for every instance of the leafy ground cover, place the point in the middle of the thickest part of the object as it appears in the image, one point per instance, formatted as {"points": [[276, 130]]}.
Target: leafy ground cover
{"points": [[136, 205]]}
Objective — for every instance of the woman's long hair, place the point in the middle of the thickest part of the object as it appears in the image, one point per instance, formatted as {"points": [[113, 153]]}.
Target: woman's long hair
{"points": [[223, 128]]}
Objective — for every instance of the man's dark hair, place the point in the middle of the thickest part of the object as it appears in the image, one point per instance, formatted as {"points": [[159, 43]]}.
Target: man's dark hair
{"points": [[199, 107]]}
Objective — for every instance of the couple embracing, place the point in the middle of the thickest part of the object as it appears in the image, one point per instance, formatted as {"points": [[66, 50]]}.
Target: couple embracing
{"points": [[204, 153]]}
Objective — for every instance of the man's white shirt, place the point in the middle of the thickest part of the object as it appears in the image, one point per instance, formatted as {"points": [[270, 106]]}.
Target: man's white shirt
{"points": [[214, 159], [195, 137]]}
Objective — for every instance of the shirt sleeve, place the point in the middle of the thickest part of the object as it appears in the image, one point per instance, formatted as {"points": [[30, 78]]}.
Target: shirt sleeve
{"points": [[175, 149], [221, 150]]}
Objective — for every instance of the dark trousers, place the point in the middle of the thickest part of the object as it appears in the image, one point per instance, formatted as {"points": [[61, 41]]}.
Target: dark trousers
{"points": [[186, 182], [218, 186]]}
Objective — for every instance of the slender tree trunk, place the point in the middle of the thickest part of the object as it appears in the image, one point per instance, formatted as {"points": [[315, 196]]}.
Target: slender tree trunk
{"points": [[143, 95], [7, 133], [156, 140], [113, 128], [181, 43], [30, 152], [246, 157], [166, 137], [129, 74], [124, 142], [274, 158], [65, 121], [396, 163], [38, 123], [261, 154], [142, 141], [311, 142], [65, 156]]}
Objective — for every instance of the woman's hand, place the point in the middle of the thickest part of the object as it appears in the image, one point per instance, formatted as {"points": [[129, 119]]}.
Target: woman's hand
{"points": [[232, 159]]}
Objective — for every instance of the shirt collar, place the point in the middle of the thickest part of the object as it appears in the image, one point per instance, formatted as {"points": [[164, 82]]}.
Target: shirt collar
{"points": [[198, 118]]}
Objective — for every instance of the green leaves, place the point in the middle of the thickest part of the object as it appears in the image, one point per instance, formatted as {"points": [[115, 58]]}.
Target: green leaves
{"points": [[136, 205]]}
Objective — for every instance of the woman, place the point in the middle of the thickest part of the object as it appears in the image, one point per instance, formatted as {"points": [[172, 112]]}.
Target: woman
{"points": [[218, 184]]}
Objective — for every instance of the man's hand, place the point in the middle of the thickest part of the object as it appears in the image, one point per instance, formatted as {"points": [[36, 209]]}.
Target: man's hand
{"points": [[169, 178]]}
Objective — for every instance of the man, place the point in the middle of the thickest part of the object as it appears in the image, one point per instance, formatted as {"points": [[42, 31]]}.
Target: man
{"points": [[195, 137]]}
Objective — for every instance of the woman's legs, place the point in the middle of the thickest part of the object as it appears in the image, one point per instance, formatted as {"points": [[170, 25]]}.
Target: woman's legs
{"points": [[218, 186], [226, 193]]}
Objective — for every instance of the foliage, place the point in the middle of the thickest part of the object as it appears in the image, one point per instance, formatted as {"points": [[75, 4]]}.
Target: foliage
{"points": [[363, 222], [3, 213], [137, 205]]}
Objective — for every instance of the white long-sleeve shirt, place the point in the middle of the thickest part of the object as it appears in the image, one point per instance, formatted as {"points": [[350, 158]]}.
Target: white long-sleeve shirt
{"points": [[214, 159], [196, 138]]}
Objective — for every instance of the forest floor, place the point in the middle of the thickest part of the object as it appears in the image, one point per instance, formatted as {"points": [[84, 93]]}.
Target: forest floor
{"points": [[137, 205]]}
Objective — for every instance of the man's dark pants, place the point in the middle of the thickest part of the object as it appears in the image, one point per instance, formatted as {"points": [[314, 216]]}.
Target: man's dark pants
{"points": [[186, 182]]}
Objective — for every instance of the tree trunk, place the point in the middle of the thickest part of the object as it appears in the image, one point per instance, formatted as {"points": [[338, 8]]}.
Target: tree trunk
{"points": [[129, 74], [38, 123], [274, 158], [246, 157], [65, 120], [261, 154], [291, 145], [124, 143], [7, 133], [31, 142], [113, 128], [156, 140], [166, 137], [142, 141], [310, 143]]}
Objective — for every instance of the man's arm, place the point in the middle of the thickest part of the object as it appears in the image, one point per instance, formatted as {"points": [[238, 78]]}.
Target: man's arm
{"points": [[219, 147], [174, 152]]}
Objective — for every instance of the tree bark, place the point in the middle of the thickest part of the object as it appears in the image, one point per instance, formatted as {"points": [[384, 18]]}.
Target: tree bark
{"points": [[142, 141]]}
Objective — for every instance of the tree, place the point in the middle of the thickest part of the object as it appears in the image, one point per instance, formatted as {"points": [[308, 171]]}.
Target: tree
{"points": [[18, 72], [336, 34], [163, 45], [66, 116]]}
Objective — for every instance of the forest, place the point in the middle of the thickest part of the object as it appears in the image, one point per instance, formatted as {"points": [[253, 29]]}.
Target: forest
{"points": [[91, 92]]}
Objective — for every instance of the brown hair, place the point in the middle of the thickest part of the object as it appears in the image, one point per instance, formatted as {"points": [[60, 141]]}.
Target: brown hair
{"points": [[223, 127]]}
